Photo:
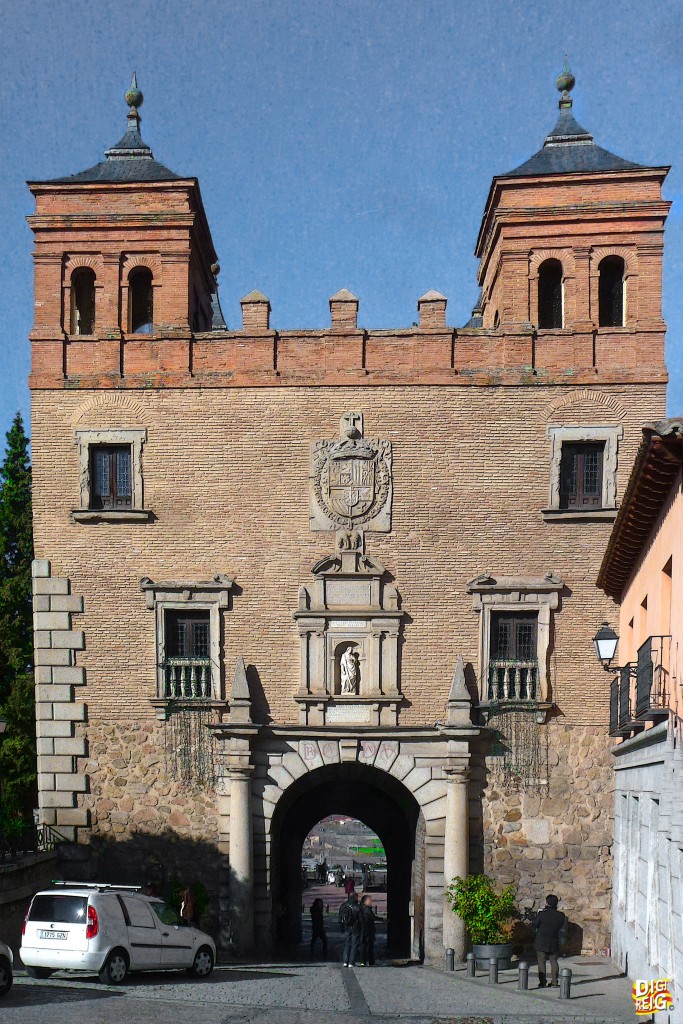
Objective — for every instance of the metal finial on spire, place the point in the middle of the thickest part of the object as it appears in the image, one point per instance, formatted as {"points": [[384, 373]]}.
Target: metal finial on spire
{"points": [[564, 84], [133, 96]]}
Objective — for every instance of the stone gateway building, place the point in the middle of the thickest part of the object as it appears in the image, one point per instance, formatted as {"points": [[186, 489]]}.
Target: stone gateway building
{"points": [[283, 574]]}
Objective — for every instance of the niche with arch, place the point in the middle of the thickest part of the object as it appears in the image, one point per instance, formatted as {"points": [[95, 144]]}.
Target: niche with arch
{"points": [[348, 668]]}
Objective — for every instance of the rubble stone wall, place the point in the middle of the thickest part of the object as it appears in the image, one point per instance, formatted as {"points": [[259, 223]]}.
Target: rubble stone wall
{"points": [[557, 838]]}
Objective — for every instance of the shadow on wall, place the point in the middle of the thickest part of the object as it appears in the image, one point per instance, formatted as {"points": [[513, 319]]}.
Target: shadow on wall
{"points": [[164, 860]]}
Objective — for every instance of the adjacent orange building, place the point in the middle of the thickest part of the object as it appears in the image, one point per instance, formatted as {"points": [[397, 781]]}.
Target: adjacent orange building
{"points": [[643, 571]]}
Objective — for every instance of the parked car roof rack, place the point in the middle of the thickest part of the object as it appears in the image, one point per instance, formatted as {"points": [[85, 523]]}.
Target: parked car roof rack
{"points": [[100, 886]]}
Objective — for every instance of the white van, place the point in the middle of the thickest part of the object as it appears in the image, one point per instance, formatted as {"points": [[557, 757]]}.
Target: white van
{"points": [[110, 930]]}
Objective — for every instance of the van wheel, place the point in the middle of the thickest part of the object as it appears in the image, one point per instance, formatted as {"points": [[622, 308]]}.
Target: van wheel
{"points": [[38, 972], [5, 975], [115, 968], [202, 965]]}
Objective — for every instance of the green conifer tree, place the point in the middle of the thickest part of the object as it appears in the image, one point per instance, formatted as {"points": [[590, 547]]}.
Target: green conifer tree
{"points": [[18, 748]]}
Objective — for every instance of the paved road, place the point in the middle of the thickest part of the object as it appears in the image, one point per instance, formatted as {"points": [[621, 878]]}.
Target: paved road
{"points": [[307, 993]]}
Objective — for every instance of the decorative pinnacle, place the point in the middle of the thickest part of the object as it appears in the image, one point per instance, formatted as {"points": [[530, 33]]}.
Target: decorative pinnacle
{"points": [[564, 84], [133, 96]]}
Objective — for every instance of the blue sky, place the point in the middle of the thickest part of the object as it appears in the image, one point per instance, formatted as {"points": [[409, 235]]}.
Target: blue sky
{"points": [[338, 144]]}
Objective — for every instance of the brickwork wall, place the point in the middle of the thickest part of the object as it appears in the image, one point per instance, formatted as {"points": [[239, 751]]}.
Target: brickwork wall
{"points": [[228, 487]]}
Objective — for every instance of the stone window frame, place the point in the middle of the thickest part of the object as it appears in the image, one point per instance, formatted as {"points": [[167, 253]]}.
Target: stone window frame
{"points": [[516, 594], [558, 436], [86, 440], [181, 595]]}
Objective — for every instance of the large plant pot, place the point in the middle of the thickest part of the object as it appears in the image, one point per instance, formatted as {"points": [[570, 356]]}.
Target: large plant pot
{"points": [[500, 951]]}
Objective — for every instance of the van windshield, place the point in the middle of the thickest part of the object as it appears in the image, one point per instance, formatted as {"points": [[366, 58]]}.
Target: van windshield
{"points": [[58, 908]]}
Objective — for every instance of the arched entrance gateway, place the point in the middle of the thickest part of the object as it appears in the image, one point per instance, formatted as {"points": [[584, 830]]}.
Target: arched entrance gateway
{"points": [[409, 785], [389, 809]]}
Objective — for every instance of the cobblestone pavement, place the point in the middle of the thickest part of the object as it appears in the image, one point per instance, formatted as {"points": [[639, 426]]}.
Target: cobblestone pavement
{"points": [[308, 993]]}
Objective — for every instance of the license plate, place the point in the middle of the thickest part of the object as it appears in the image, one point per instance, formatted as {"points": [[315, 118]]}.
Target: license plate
{"points": [[53, 935]]}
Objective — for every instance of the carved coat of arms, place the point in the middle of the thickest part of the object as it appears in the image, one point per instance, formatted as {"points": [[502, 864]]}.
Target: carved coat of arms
{"points": [[351, 480]]}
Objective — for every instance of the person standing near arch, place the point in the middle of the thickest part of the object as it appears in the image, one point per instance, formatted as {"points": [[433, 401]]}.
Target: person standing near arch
{"points": [[367, 932], [350, 924]]}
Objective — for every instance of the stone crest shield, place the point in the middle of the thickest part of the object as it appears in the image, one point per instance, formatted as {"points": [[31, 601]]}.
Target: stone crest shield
{"points": [[351, 480]]}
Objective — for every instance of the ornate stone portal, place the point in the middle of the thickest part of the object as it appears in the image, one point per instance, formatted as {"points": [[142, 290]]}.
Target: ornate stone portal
{"points": [[349, 624]]}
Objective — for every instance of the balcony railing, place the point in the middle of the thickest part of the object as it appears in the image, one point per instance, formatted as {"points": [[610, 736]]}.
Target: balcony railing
{"points": [[621, 718], [513, 680], [187, 678], [652, 678]]}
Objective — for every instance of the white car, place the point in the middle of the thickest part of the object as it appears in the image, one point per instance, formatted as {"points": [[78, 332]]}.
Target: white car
{"points": [[6, 961], [110, 930]]}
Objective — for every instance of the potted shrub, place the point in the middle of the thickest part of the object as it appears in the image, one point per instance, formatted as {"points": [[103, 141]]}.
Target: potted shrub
{"points": [[488, 916]]}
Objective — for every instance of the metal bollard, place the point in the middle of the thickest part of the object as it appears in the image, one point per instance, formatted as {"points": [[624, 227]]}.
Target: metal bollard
{"points": [[493, 971], [471, 965], [565, 983], [450, 959], [523, 980]]}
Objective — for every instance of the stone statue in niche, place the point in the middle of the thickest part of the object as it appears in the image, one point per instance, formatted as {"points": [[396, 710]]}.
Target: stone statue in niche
{"points": [[348, 672]]}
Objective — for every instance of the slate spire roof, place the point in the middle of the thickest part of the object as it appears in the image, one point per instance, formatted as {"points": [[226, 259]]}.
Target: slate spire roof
{"points": [[130, 159], [569, 148]]}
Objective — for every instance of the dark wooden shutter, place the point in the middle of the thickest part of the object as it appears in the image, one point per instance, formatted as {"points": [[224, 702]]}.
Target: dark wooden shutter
{"points": [[581, 471], [111, 477]]}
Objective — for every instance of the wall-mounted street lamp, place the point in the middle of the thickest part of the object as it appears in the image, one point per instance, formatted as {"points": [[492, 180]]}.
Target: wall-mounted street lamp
{"points": [[605, 641]]}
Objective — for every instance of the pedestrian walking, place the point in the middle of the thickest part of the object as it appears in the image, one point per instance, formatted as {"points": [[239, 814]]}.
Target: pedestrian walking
{"points": [[349, 922], [549, 924], [318, 926], [349, 885], [367, 932]]}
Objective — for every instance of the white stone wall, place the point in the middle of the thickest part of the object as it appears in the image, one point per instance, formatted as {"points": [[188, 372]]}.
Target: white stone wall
{"points": [[647, 914]]}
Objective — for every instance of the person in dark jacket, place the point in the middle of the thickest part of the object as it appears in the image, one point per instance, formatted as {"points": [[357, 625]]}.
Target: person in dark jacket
{"points": [[548, 924], [367, 932], [318, 926], [349, 922]]}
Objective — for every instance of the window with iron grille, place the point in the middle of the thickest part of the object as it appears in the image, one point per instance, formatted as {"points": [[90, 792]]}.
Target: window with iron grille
{"points": [[581, 475], [111, 484], [187, 666], [513, 660]]}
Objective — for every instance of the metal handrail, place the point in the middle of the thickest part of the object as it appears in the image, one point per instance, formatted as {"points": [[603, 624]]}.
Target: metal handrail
{"points": [[624, 696], [31, 839]]}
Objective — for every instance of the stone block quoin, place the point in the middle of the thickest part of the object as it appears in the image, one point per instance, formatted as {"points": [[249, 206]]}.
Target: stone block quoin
{"points": [[57, 708]]}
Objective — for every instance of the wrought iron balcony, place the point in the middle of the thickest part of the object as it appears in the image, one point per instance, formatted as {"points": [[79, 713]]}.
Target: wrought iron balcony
{"points": [[513, 680], [187, 679], [621, 721], [652, 678]]}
